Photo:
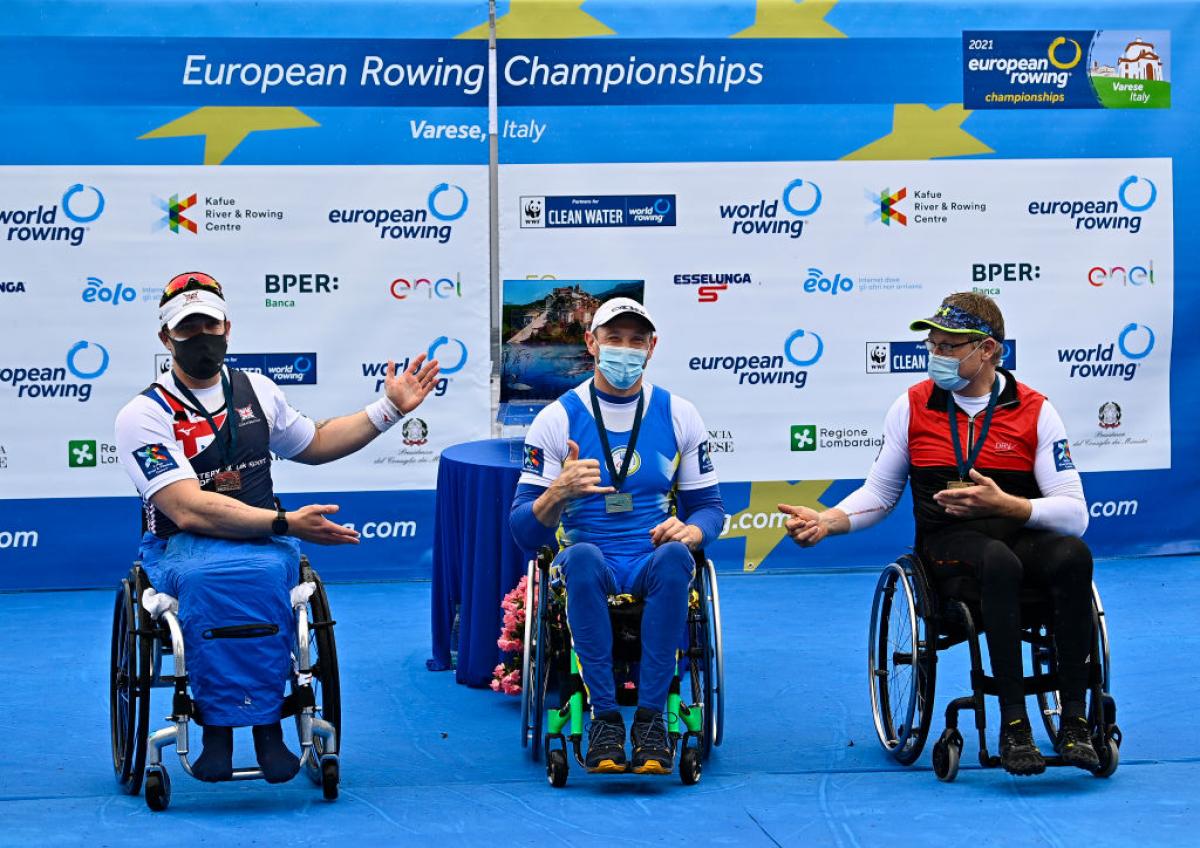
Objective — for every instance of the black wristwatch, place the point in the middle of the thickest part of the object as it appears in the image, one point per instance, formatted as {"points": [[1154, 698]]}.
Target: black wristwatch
{"points": [[280, 525]]}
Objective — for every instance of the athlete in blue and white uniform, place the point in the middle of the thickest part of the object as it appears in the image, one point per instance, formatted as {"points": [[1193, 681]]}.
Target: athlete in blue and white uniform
{"points": [[603, 460], [197, 444]]}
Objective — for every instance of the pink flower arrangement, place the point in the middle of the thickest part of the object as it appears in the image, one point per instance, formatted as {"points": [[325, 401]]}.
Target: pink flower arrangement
{"points": [[506, 677]]}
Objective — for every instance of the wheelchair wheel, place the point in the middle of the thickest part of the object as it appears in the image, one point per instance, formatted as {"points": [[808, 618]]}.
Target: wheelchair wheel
{"points": [[706, 665], [1042, 658], [129, 687], [323, 665], [527, 659], [539, 673], [901, 662]]}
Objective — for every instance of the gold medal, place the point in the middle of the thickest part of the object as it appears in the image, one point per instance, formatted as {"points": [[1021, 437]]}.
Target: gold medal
{"points": [[959, 484]]}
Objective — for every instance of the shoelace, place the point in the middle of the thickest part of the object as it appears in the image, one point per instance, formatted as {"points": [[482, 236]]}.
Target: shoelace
{"points": [[1075, 731], [604, 733], [1019, 732], [653, 734]]}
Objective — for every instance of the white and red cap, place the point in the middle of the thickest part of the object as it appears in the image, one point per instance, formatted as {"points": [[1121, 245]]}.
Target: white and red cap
{"points": [[618, 306], [193, 293]]}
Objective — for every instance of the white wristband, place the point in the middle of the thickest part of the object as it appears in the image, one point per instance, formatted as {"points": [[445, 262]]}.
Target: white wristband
{"points": [[383, 414]]}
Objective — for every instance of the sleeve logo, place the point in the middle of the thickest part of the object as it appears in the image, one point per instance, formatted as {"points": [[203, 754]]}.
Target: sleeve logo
{"points": [[533, 462], [154, 460], [704, 457], [1062, 456]]}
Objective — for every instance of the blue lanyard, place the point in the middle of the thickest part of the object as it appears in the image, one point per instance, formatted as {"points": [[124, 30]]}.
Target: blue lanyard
{"points": [[952, 410], [228, 451]]}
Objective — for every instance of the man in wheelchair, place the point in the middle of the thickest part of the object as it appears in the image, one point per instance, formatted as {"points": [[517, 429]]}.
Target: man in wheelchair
{"points": [[603, 460], [197, 443], [996, 497]]}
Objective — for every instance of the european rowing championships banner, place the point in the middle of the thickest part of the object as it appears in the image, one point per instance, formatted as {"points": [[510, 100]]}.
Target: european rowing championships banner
{"points": [[314, 177], [792, 183]]}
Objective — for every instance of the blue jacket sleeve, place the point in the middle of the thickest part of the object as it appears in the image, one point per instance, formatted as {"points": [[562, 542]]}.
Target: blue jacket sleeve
{"points": [[529, 533], [703, 508]]}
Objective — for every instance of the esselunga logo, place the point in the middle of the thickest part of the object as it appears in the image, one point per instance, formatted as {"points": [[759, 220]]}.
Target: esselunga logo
{"points": [[1134, 342], [80, 204], [785, 215], [710, 286], [1135, 195], [445, 204]]}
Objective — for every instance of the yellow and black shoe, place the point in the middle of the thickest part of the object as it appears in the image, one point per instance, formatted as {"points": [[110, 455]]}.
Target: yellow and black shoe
{"points": [[651, 747], [1074, 743], [1018, 753], [606, 744]]}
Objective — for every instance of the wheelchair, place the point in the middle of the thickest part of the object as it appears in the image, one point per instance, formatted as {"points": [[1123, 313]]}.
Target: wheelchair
{"points": [[913, 619], [140, 644], [550, 721]]}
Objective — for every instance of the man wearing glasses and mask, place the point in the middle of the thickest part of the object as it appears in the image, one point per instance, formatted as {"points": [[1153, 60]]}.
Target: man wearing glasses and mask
{"points": [[995, 493], [197, 444], [602, 460]]}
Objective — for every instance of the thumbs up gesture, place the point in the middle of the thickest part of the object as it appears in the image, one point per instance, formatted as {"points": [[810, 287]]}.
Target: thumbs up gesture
{"points": [[579, 477], [803, 525]]}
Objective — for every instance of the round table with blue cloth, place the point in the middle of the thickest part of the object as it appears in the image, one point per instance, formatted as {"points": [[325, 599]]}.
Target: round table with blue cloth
{"points": [[475, 559]]}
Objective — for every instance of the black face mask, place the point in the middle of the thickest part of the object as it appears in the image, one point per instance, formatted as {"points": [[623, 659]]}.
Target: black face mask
{"points": [[201, 356]]}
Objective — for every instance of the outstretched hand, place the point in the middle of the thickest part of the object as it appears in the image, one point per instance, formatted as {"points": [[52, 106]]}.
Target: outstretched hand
{"points": [[407, 389], [803, 525], [310, 524]]}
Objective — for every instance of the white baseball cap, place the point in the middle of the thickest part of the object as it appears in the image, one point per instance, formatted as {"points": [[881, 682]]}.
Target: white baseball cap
{"points": [[611, 309], [193, 293]]}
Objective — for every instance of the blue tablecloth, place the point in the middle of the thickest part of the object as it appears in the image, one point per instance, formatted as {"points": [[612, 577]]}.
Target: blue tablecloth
{"points": [[475, 560]]}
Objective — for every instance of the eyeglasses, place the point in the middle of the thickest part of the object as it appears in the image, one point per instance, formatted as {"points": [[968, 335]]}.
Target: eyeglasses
{"points": [[947, 348], [190, 282]]}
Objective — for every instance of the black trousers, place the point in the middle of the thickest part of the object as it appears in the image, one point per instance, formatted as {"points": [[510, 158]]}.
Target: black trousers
{"points": [[1003, 558]]}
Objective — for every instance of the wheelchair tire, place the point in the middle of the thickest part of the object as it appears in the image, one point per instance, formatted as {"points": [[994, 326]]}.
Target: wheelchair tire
{"points": [[540, 672], [1109, 751], [901, 661], [557, 768], [947, 752], [527, 658], [330, 778], [690, 767], [717, 721], [326, 682], [158, 789], [129, 687]]}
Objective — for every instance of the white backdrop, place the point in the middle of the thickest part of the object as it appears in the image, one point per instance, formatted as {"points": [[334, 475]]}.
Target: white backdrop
{"points": [[812, 407], [355, 296]]}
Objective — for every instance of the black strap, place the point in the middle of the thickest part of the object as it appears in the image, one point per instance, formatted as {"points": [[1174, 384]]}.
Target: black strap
{"points": [[952, 411], [617, 479], [228, 450]]}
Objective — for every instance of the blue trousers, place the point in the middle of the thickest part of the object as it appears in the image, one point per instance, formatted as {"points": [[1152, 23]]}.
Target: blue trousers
{"points": [[662, 580], [224, 587]]}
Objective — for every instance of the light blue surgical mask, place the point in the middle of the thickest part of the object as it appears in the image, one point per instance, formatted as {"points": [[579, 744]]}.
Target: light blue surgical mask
{"points": [[943, 370], [622, 366]]}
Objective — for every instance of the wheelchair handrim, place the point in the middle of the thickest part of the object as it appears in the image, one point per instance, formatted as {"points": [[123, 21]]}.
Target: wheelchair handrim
{"points": [[717, 709], [889, 735]]}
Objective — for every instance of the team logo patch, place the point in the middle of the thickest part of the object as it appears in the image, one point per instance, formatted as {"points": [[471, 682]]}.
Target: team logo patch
{"points": [[533, 462], [1062, 456], [704, 456], [618, 457], [246, 415], [154, 460]]}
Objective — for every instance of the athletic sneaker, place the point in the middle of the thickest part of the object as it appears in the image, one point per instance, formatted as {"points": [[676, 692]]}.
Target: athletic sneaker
{"points": [[606, 744], [1074, 743], [651, 747], [1018, 753]]}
